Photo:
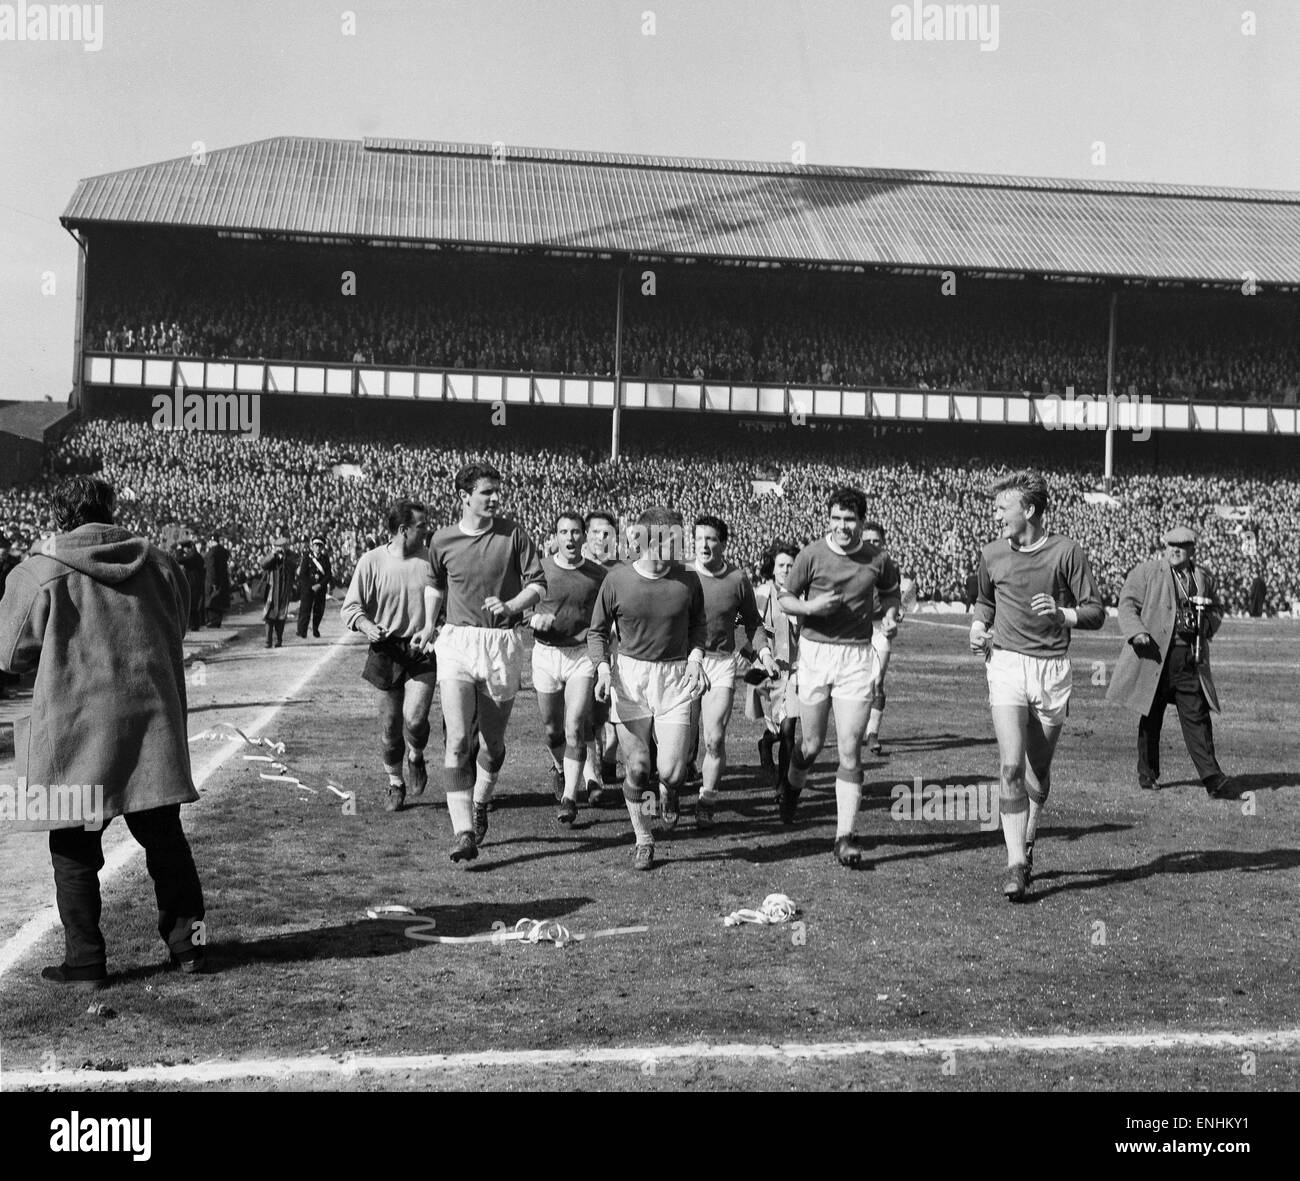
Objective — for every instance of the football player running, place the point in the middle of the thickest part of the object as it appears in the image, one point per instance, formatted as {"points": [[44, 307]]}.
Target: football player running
{"points": [[831, 589], [601, 547], [728, 595], [657, 606], [563, 675], [884, 627], [489, 571], [1035, 587]]}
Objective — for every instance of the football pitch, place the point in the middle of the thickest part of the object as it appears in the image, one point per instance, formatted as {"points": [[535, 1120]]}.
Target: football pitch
{"points": [[1155, 951]]}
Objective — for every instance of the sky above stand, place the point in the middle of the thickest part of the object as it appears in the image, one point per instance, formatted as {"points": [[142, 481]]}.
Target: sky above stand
{"points": [[1199, 92]]}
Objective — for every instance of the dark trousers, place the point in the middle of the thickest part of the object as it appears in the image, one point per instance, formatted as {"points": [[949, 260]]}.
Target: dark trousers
{"points": [[313, 604], [274, 632], [78, 856], [1180, 684]]}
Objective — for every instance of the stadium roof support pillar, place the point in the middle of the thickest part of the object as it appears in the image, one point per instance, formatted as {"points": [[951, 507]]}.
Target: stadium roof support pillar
{"points": [[79, 321], [1109, 474], [618, 371]]}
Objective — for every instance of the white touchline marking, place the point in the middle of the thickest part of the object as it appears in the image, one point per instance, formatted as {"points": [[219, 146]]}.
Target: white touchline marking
{"points": [[47, 918], [348, 1066]]}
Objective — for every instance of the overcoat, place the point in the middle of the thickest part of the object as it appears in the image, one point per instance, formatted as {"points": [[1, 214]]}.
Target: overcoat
{"points": [[1148, 603], [281, 583], [100, 614]]}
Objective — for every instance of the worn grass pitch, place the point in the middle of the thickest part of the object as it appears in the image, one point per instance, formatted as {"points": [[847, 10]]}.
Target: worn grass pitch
{"points": [[1150, 911]]}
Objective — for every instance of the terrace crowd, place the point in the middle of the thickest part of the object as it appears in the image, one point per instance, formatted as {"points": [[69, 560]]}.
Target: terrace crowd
{"points": [[933, 503]]}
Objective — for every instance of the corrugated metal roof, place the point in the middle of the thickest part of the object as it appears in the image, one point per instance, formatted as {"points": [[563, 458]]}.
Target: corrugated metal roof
{"points": [[31, 420], [425, 191]]}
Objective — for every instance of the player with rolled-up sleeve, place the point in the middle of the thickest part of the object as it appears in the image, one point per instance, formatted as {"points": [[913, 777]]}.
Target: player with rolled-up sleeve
{"points": [[1035, 587], [489, 572]]}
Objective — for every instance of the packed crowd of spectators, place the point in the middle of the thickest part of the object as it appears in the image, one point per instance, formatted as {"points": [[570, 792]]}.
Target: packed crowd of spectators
{"points": [[690, 323], [933, 503]]}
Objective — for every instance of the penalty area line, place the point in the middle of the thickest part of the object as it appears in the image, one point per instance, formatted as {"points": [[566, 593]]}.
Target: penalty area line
{"points": [[349, 1066], [46, 919]]}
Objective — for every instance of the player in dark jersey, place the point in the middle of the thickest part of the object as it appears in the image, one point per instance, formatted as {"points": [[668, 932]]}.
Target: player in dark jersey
{"points": [[603, 786], [831, 588], [385, 603], [489, 571], [884, 626], [728, 595], [563, 674], [658, 607], [1034, 587]]}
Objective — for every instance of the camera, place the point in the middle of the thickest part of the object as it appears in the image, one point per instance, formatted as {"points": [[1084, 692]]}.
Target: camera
{"points": [[1199, 605]]}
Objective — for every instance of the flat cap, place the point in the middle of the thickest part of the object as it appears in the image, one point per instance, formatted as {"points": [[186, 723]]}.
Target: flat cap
{"points": [[1181, 535]]}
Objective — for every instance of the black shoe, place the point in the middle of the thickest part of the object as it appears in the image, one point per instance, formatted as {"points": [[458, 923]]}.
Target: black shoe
{"points": [[83, 979], [568, 811], [1015, 882], [873, 745], [419, 773], [191, 962], [279, 643], [1224, 789], [396, 798], [267, 644], [704, 813], [316, 632], [1148, 784], [644, 857], [464, 848], [789, 803], [480, 823], [848, 852]]}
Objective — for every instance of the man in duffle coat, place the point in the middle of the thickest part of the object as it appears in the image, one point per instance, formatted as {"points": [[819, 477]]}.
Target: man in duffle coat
{"points": [[100, 614], [1158, 663]]}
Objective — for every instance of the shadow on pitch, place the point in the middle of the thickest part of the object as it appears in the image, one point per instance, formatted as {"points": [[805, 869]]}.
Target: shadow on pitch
{"points": [[366, 938], [1259, 781], [913, 844], [565, 844], [1192, 862], [934, 742]]}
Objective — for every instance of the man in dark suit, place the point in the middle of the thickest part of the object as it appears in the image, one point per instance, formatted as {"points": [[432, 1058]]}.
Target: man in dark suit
{"points": [[315, 577], [1257, 596], [1168, 613], [216, 580], [189, 560]]}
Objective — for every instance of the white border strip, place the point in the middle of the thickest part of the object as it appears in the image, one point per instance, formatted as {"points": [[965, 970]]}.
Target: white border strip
{"points": [[348, 1067], [47, 919]]}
